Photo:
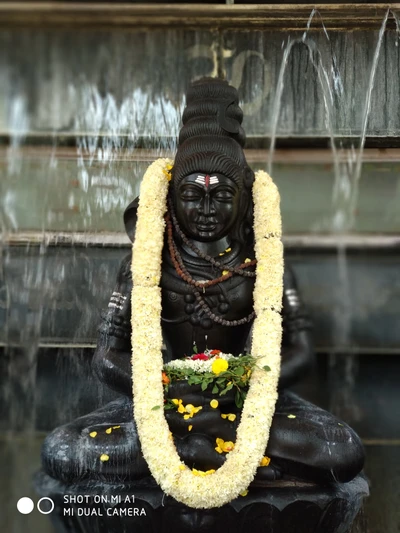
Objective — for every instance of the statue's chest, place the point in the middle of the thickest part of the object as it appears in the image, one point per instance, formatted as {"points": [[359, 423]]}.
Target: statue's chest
{"points": [[230, 300]]}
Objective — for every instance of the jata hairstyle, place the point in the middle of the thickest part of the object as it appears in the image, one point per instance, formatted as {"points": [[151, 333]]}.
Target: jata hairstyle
{"points": [[211, 141]]}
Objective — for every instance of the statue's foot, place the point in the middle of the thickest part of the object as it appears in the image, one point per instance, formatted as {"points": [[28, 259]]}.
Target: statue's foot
{"points": [[101, 445], [311, 444]]}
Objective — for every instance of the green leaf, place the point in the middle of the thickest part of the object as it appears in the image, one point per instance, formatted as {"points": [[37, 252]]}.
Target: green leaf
{"points": [[238, 399], [156, 407], [267, 368], [204, 385], [195, 348], [215, 389], [239, 371]]}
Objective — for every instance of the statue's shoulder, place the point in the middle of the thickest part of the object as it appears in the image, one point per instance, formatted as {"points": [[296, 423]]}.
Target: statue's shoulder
{"points": [[125, 269], [289, 278], [130, 218]]}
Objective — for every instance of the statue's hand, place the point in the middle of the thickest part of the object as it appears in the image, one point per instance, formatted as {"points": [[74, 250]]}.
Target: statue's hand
{"points": [[207, 421], [192, 394]]}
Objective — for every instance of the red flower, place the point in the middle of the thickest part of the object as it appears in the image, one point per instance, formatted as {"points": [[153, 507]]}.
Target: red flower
{"points": [[215, 352], [200, 356]]}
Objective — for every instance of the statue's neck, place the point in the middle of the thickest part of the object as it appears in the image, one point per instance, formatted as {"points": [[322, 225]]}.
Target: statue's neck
{"points": [[213, 248]]}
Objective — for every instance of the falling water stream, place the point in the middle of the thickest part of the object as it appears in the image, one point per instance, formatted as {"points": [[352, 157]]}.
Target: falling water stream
{"points": [[347, 174]]}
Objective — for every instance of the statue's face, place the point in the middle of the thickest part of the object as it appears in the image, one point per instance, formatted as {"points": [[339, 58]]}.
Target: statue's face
{"points": [[207, 206]]}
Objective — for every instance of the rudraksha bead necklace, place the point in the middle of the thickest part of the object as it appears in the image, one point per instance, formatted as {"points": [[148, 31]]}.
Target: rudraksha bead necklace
{"points": [[184, 274]]}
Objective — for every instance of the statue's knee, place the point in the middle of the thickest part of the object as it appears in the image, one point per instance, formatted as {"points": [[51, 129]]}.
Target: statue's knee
{"points": [[59, 455]]}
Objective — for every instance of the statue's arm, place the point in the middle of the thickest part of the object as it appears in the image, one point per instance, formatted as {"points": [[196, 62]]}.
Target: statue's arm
{"points": [[297, 343], [112, 358]]}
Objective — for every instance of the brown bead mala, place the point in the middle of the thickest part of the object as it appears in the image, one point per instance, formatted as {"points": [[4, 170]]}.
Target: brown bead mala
{"points": [[184, 274]]}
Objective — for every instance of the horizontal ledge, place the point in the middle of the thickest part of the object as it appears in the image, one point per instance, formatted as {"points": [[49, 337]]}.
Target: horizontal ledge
{"points": [[322, 351], [316, 242], [242, 16], [287, 156]]}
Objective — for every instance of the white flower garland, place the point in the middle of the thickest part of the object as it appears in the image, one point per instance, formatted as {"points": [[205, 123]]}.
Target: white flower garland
{"points": [[158, 448]]}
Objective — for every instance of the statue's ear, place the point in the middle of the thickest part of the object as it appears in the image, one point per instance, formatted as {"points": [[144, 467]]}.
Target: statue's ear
{"points": [[130, 218]]}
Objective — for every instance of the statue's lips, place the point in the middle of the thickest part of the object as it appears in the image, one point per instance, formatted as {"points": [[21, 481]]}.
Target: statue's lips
{"points": [[206, 227]]}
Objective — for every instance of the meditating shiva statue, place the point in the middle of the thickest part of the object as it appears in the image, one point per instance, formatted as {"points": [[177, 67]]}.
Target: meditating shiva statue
{"points": [[207, 281]]}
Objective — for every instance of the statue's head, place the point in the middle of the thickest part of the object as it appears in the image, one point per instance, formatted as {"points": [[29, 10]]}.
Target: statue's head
{"points": [[211, 180]]}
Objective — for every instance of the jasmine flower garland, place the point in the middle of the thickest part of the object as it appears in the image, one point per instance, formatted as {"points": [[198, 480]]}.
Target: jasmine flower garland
{"points": [[235, 475]]}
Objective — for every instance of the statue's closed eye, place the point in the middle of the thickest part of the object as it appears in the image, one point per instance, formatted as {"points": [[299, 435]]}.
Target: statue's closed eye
{"points": [[225, 195]]}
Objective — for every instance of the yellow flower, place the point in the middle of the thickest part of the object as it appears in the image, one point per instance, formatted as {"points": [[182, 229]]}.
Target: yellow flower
{"points": [[167, 172], [265, 461], [214, 404], [201, 473], [219, 365], [230, 416], [190, 410], [224, 447]]}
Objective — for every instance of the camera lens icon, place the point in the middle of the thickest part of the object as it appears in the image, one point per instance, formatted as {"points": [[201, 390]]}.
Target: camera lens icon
{"points": [[45, 505]]}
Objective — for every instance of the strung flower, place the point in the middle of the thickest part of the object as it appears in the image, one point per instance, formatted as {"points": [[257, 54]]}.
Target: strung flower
{"points": [[167, 171], [201, 473], [200, 357], [165, 379], [215, 352], [219, 365]]}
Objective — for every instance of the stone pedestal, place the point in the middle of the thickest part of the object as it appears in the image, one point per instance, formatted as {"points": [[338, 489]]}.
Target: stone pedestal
{"points": [[141, 507]]}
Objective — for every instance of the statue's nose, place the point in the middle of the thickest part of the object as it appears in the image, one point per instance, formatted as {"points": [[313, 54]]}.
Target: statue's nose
{"points": [[207, 206]]}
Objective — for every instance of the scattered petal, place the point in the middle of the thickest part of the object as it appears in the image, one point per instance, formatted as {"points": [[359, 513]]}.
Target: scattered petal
{"points": [[104, 457], [93, 434], [190, 428], [291, 416], [265, 461], [214, 404], [108, 431]]}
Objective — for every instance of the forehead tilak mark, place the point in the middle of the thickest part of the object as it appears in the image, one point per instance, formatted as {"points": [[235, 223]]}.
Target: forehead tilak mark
{"points": [[207, 180]]}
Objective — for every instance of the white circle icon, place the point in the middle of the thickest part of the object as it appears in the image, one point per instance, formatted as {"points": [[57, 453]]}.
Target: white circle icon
{"points": [[44, 499], [25, 505]]}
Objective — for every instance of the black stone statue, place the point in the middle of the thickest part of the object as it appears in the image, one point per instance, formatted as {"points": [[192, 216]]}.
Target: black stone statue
{"points": [[315, 458]]}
